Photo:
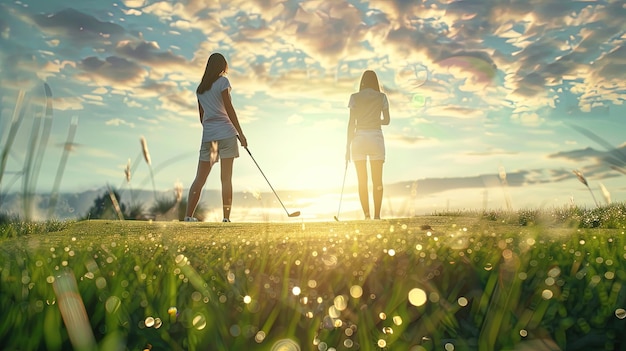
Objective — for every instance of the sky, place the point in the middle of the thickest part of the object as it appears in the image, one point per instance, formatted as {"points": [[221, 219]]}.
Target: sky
{"points": [[493, 103]]}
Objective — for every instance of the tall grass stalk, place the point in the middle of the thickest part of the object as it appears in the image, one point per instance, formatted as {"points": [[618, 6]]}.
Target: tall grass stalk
{"points": [[606, 194], [73, 312], [129, 172], [45, 136], [39, 134], [504, 183], [127, 177], [116, 204], [583, 180], [617, 157], [16, 121], [146, 156], [619, 169], [69, 143], [27, 196]]}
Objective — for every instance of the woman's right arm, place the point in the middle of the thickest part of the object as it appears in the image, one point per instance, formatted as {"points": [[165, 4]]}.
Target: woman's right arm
{"points": [[232, 115]]}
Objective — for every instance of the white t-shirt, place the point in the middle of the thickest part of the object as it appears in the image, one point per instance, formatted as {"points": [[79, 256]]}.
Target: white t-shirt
{"points": [[368, 105], [215, 122]]}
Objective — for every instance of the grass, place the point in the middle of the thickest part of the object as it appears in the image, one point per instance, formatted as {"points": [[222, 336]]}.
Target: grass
{"points": [[473, 281], [13, 227]]}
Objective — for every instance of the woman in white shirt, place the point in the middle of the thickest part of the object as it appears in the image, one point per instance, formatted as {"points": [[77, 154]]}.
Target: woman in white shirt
{"points": [[220, 131], [365, 139]]}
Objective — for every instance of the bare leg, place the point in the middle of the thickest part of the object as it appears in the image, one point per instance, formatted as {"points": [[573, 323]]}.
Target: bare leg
{"points": [[361, 173], [377, 185], [204, 168], [227, 185]]}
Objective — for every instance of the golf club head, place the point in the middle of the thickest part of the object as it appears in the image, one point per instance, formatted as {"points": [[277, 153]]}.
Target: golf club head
{"points": [[337, 219], [295, 214]]}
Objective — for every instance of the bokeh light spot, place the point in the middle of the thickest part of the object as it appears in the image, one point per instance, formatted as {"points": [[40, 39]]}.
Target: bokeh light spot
{"points": [[199, 321], [286, 345], [149, 322], [112, 304], [356, 291], [397, 320], [340, 303], [417, 297]]}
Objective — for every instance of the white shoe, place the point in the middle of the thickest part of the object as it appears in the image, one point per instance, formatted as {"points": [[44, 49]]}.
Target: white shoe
{"points": [[225, 220], [191, 219]]}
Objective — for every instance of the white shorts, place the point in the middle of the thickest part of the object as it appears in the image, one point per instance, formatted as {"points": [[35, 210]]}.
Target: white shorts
{"points": [[226, 148], [368, 143]]}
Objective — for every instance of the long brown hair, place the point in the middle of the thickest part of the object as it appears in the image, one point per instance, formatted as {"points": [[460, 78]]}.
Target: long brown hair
{"points": [[215, 67], [369, 80]]}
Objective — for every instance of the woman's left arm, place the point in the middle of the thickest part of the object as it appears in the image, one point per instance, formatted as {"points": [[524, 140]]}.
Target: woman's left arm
{"points": [[386, 119], [232, 115]]}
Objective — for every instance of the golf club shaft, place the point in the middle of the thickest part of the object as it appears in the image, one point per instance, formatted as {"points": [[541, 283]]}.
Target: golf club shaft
{"points": [[268, 182]]}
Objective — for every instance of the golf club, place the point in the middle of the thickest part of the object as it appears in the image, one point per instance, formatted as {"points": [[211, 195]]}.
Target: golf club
{"points": [[341, 195], [294, 214]]}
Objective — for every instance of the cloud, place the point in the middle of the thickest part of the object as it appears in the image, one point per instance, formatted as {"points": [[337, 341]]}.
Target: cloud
{"points": [[295, 119], [179, 101], [408, 140], [69, 103], [247, 114], [602, 164], [152, 88], [116, 122], [79, 28], [93, 97], [5, 30], [100, 91], [19, 71], [183, 25], [491, 152], [132, 12], [429, 186], [279, 44], [134, 3], [113, 70], [148, 53]]}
